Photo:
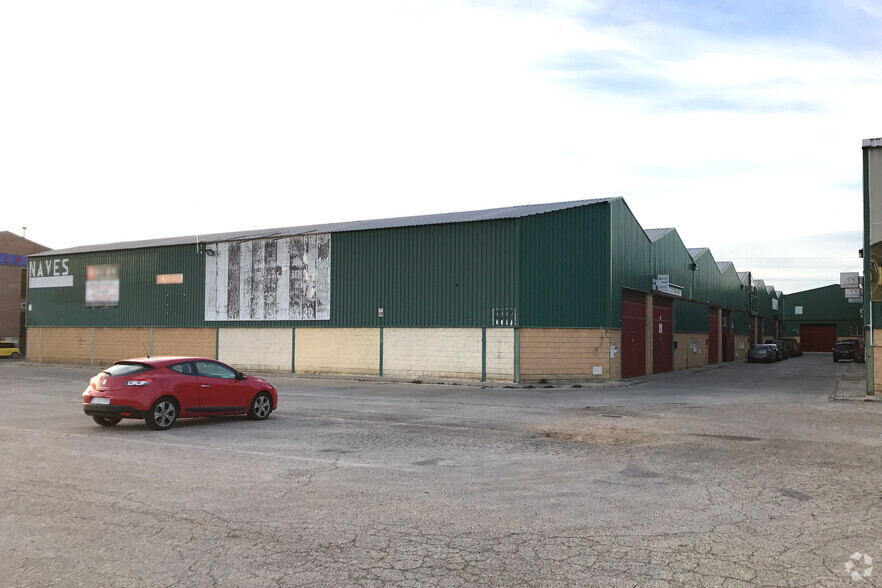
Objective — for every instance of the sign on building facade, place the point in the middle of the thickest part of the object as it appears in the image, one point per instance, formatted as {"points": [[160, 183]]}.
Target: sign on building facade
{"points": [[269, 279]]}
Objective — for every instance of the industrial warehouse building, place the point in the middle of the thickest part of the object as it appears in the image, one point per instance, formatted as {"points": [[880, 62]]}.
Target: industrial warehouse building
{"points": [[573, 290]]}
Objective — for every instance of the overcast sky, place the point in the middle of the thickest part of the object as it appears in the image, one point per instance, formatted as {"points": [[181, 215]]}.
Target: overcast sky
{"points": [[737, 122]]}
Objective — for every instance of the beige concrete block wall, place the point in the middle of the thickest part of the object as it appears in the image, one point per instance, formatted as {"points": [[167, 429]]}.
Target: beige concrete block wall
{"points": [[105, 345], [337, 351], [615, 363], [742, 345], [500, 355], [256, 349], [35, 344], [691, 350], [435, 353], [566, 354], [196, 342], [65, 345], [113, 344]]}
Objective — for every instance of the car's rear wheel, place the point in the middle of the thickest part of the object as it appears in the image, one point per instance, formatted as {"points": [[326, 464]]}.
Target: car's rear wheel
{"points": [[261, 407], [162, 414], [14, 355], [106, 421]]}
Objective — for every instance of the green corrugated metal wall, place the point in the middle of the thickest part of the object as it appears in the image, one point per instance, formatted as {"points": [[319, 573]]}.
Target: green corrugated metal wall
{"points": [[142, 301], [450, 275], [430, 276], [559, 269], [565, 261], [630, 260], [826, 305]]}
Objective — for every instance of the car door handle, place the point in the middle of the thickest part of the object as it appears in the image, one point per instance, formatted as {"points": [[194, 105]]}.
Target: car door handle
{"points": [[206, 386]]}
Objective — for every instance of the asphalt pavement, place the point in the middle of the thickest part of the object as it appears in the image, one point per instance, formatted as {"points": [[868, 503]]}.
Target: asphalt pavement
{"points": [[731, 475]]}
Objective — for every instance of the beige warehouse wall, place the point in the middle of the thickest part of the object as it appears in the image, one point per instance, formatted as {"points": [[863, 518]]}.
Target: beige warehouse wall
{"points": [[35, 344], [112, 344], [742, 345], [439, 353], [196, 342], [500, 355], [563, 354], [102, 346], [65, 345], [256, 349], [337, 351], [691, 350]]}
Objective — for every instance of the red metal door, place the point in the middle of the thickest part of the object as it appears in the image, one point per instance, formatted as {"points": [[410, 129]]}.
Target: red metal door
{"points": [[728, 337], [817, 337], [713, 331], [633, 334], [662, 335]]}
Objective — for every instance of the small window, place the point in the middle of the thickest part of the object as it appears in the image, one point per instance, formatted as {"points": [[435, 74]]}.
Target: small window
{"points": [[6, 344], [127, 369], [210, 369], [182, 368]]}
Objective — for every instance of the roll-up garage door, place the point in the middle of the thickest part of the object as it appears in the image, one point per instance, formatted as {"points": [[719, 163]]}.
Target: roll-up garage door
{"points": [[817, 337]]}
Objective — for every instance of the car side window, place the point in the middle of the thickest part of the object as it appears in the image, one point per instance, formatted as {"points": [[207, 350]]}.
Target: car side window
{"points": [[182, 368], [210, 369]]}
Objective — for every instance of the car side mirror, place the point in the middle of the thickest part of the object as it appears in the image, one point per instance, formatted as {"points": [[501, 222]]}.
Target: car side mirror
{"points": [[240, 376]]}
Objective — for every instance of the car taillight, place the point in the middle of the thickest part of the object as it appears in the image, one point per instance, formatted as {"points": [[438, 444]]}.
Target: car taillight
{"points": [[93, 383], [139, 382]]}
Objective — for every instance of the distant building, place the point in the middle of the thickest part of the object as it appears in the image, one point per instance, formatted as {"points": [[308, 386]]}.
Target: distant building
{"points": [[13, 285]]}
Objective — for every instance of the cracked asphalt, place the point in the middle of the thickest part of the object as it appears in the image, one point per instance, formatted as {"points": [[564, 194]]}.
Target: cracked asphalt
{"points": [[738, 475]]}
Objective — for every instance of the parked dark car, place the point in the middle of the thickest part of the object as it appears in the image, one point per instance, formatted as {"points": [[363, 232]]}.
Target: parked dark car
{"points": [[762, 353], [858, 349], [844, 350], [779, 345], [793, 346]]}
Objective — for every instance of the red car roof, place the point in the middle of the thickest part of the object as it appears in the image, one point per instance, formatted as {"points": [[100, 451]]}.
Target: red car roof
{"points": [[164, 360]]}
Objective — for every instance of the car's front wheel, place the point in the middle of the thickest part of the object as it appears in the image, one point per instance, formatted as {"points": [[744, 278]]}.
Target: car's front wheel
{"points": [[261, 407], [106, 421], [14, 355], [162, 414]]}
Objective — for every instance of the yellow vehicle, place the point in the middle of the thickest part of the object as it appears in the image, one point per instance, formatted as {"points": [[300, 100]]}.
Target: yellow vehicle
{"points": [[9, 349]]}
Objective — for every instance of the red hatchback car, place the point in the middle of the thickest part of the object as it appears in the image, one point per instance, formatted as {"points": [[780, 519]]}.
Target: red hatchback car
{"points": [[162, 389]]}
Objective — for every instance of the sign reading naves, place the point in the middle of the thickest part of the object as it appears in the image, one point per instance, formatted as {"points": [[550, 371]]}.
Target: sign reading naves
{"points": [[49, 273]]}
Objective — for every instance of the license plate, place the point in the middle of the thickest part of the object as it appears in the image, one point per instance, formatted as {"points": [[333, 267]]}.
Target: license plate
{"points": [[96, 400]]}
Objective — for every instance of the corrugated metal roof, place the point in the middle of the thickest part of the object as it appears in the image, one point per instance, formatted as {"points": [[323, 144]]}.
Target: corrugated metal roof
{"points": [[723, 265], [697, 252], [387, 223], [656, 234], [744, 277]]}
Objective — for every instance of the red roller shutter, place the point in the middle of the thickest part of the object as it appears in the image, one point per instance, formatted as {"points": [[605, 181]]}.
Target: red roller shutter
{"points": [[633, 334], [817, 337]]}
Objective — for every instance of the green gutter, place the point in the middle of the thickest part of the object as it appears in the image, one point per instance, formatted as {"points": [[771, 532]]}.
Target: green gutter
{"points": [[867, 322]]}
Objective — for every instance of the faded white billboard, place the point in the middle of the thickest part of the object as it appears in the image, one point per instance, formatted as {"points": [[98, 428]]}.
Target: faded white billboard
{"points": [[269, 279]]}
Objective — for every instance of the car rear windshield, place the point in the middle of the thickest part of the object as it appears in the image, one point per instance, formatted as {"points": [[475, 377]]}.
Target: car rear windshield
{"points": [[844, 346], [127, 369]]}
